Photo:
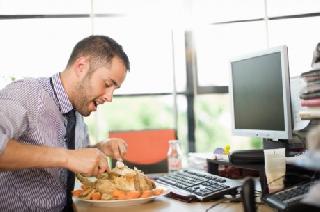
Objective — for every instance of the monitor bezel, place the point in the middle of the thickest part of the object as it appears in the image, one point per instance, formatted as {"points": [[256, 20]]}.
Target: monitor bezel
{"points": [[262, 133]]}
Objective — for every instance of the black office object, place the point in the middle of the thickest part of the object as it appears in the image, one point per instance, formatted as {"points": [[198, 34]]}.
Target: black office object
{"points": [[255, 156], [288, 197], [193, 185], [248, 195], [303, 207]]}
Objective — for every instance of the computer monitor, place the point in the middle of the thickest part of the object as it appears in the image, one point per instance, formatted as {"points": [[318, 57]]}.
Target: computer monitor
{"points": [[260, 94]]}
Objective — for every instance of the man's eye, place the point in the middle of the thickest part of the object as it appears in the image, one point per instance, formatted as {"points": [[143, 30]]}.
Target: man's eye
{"points": [[107, 85]]}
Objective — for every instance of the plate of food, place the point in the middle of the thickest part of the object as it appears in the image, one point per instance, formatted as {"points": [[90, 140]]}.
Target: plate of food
{"points": [[120, 187]]}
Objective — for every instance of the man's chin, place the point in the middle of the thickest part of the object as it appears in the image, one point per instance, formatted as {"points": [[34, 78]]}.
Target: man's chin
{"points": [[85, 113]]}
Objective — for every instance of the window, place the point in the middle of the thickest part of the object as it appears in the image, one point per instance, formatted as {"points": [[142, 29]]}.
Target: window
{"points": [[38, 36], [136, 113], [210, 11], [244, 31], [214, 125], [292, 7], [43, 7], [217, 44], [150, 51], [300, 45], [51, 29], [38, 47]]}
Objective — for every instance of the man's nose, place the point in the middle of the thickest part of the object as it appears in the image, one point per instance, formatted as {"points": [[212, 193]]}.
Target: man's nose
{"points": [[107, 97]]}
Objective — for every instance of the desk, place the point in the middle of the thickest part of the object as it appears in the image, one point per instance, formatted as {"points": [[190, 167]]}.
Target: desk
{"points": [[164, 204]]}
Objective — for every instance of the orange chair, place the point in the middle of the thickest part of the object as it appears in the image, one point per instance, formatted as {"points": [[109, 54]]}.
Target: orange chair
{"points": [[147, 149]]}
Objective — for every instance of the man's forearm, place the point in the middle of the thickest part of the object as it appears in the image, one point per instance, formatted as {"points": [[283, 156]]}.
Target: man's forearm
{"points": [[19, 155]]}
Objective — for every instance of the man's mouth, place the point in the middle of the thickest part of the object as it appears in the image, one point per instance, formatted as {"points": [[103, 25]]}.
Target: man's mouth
{"points": [[94, 106], [95, 103]]}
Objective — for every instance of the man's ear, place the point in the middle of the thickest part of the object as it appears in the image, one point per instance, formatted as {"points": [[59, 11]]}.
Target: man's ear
{"points": [[81, 66]]}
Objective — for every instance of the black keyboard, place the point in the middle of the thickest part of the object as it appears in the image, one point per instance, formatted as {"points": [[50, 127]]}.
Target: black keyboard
{"points": [[193, 185], [288, 197]]}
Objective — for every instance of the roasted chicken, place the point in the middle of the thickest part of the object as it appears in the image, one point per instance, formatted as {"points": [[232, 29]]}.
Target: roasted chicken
{"points": [[119, 183]]}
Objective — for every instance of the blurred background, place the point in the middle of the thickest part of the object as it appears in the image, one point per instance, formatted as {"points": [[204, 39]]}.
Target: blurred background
{"points": [[179, 52]]}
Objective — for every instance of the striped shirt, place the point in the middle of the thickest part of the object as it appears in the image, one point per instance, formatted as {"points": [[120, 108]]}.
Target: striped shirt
{"points": [[31, 113]]}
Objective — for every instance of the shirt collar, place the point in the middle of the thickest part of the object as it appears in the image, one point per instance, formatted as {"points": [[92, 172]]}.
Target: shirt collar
{"points": [[63, 100]]}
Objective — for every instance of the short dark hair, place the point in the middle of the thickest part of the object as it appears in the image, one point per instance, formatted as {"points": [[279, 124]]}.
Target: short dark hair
{"points": [[101, 50]]}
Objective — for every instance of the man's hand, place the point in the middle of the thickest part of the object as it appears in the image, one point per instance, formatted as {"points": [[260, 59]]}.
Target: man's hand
{"points": [[113, 147], [87, 161]]}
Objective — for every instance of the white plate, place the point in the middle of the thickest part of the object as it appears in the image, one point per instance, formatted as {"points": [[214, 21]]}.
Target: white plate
{"points": [[117, 203]]}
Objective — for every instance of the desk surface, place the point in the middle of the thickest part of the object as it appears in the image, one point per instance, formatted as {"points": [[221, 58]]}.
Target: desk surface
{"points": [[167, 204]]}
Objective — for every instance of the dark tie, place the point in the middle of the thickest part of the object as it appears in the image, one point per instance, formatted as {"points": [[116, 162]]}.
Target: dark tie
{"points": [[70, 135]]}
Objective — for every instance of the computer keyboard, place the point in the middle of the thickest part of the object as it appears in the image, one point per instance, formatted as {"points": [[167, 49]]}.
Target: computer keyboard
{"points": [[288, 197], [193, 185]]}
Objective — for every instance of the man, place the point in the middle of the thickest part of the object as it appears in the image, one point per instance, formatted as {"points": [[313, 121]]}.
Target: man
{"points": [[43, 142]]}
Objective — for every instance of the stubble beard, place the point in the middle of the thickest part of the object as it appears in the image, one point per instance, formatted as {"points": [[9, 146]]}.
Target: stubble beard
{"points": [[83, 98]]}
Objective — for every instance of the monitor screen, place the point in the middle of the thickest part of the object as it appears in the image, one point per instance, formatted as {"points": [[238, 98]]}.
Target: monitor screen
{"points": [[260, 94]]}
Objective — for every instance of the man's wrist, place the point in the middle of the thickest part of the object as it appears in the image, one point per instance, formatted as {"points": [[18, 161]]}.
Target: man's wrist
{"points": [[64, 155]]}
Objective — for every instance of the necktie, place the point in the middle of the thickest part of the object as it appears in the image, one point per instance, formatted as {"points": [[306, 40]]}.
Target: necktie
{"points": [[70, 135]]}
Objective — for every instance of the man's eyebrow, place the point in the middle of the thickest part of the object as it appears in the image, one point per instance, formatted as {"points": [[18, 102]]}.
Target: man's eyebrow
{"points": [[115, 83]]}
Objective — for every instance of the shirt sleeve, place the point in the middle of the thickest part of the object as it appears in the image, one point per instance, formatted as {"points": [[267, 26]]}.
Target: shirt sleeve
{"points": [[14, 121]]}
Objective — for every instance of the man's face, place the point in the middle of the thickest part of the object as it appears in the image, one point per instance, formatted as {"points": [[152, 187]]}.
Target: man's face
{"points": [[97, 87]]}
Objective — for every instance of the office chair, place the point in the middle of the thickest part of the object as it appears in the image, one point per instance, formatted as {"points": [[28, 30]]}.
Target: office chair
{"points": [[248, 196], [147, 149]]}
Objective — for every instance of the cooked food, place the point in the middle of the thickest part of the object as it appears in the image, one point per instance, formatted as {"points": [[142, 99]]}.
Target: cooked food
{"points": [[119, 184]]}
